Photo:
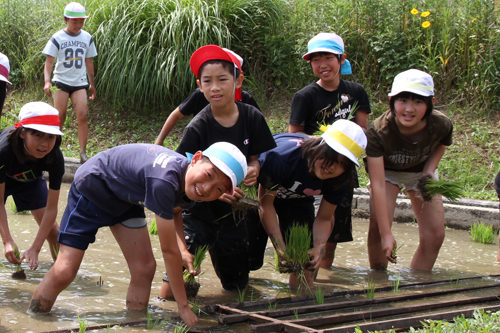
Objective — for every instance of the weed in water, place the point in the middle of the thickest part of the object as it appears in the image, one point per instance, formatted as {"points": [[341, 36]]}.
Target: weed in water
{"points": [[153, 228], [370, 288], [395, 283], [482, 233], [83, 324], [320, 296]]}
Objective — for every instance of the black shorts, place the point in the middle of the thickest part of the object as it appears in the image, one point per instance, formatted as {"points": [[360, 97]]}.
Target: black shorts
{"points": [[497, 184], [28, 195], [342, 229], [69, 89]]}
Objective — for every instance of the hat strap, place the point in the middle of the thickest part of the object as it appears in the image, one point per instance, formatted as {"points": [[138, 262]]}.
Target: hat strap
{"points": [[74, 14], [347, 142], [49, 120], [4, 71], [227, 159], [409, 84]]}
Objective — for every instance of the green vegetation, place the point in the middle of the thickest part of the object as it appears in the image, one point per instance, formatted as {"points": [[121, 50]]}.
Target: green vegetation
{"points": [[182, 328], [298, 244], [199, 256], [370, 288], [396, 282], [482, 233], [319, 296], [155, 323], [251, 192], [430, 187], [153, 228], [83, 324], [13, 208], [241, 295]]}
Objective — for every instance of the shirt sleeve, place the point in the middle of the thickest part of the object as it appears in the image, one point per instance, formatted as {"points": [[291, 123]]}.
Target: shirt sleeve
{"points": [[335, 196], [51, 48], [373, 147], [194, 103], [299, 109], [160, 197], [192, 136], [272, 170], [262, 137], [91, 50]]}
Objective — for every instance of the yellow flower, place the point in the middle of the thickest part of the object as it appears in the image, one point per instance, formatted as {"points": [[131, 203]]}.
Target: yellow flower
{"points": [[414, 11], [425, 14], [474, 20], [426, 24]]}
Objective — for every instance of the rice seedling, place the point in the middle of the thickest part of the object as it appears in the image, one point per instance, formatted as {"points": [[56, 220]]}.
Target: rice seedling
{"points": [[319, 296], [394, 254], [370, 288], [272, 305], [241, 295], [249, 201], [296, 314], [482, 233], [182, 328], [396, 282], [153, 228], [83, 325], [195, 307], [454, 279], [296, 255], [430, 187], [17, 270], [190, 283], [155, 323], [13, 208]]}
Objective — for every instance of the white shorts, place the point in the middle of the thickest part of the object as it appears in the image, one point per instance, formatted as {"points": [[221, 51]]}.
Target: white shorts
{"points": [[406, 181]]}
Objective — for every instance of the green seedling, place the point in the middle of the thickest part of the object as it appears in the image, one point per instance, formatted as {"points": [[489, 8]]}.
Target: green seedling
{"points": [[13, 208], [153, 228], [182, 328], [395, 283], [454, 279], [430, 187], [272, 305], [482, 233], [83, 325], [199, 256], [320, 296], [296, 256], [394, 254], [155, 323], [370, 288], [296, 314], [195, 307], [251, 192], [241, 295], [53, 89]]}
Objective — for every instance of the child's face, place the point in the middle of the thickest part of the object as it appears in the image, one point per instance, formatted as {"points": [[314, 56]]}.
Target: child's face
{"points": [[74, 25], [217, 84], [37, 144], [334, 170], [326, 66], [204, 181], [409, 112]]}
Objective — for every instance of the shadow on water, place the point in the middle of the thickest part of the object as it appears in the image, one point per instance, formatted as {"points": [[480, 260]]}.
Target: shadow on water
{"points": [[99, 290]]}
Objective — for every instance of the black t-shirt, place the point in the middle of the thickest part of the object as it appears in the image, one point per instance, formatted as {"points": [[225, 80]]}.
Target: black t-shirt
{"points": [[13, 173], [197, 101], [313, 105], [250, 134]]}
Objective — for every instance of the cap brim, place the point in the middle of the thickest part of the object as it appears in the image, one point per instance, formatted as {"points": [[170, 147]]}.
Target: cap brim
{"points": [[4, 79], [340, 148], [207, 53], [76, 17], [226, 170], [45, 129], [411, 90], [307, 56]]}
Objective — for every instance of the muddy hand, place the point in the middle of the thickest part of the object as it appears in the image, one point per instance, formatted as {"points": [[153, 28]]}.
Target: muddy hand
{"points": [[31, 257], [10, 253], [188, 316], [388, 245]]}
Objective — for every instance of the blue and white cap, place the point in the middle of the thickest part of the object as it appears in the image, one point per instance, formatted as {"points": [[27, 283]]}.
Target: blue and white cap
{"points": [[229, 159], [330, 43]]}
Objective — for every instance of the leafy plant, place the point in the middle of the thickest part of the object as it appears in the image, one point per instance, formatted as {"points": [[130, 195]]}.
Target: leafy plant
{"points": [[430, 187], [241, 295], [13, 208], [320, 296], [182, 328], [199, 256], [251, 192], [153, 228], [396, 282], [155, 323], [272, 305], [83, 324], [482, 233], [370, 288]]}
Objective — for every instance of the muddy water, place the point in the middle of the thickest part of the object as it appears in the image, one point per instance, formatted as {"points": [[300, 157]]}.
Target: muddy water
{"points": [[98, 292]]}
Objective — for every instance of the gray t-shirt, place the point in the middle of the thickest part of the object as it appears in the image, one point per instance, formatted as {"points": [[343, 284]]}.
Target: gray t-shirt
{"points": [[136, 174]]}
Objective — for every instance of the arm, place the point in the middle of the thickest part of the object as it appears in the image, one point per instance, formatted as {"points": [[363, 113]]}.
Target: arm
{"points": [[187, 257], [90, 73], [361, 119], [8, 242], [433, 160], [47, 71], [167, 232], [170, 123], [322, 228], [378, 195], [296, 129], [253, 171], [50, 215], [270, 219]]}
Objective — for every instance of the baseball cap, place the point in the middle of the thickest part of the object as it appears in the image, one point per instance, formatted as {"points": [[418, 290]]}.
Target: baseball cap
{"points": [[4, 68], [39, 116], [74, 10], [346, 138], [230, 160], [330, 43], [212, 52], [414, 81]]}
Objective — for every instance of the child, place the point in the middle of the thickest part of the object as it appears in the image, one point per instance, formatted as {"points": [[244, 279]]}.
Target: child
{"points": [[26, 150], [112, 188], [213, 224], [74, 49], [322, 102], [298, 168], [4, 79], [196, 102], [404, 144]]}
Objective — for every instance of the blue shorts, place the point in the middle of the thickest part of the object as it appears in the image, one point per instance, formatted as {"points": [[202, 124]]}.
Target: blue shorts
{"points": [[28, 195], [82, 219], [69, 89]]}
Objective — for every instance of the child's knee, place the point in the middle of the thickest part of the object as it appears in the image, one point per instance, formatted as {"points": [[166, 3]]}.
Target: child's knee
{"points": [[144, 269]]}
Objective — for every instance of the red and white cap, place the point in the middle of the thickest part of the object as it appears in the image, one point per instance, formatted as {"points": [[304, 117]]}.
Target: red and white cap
{"points": [[4, 68], [39, 116]]}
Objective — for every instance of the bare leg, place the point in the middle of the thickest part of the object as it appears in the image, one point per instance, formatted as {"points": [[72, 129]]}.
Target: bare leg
{"points": [[375, 255], [136, 247], [79, 99], [57, 278], [166, 291], [308, 279], [52, 237], [327, 260], [430, 218], [61, 104]]}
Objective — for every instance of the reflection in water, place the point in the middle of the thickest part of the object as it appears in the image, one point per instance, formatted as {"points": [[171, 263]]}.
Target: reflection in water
{"points": [[104, 304]]}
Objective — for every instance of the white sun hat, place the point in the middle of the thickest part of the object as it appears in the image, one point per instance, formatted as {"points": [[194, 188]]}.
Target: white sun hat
{"points": [[346, 138], [39, 116], [4, 68], [75, 10], [414, 81]]}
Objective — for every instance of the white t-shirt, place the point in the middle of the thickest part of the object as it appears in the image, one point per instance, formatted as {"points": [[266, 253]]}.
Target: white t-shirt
{"points": [[71, 52]]}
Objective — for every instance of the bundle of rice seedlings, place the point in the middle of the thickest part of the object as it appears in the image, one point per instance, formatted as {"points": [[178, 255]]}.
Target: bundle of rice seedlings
{"points": [[18, 271], [249, 201], [296, 255], [190, 283], [430, 187], [482, 233], [153, 228]]}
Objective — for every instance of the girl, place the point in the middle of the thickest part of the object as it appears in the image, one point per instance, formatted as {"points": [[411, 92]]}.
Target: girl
{"points": [[405, 144], [4, 79], [296, 170], [26, 150]]}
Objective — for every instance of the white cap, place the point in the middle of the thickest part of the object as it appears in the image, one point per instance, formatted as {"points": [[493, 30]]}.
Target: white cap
{"points": [[39, 116], [325, 42], [414, 81], [346, 138], [230, 160], [75, 10], [4, 68], [236, 55]]}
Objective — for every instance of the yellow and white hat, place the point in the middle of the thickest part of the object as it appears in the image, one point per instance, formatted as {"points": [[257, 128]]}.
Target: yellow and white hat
{"points": [[346, 138], [414, 81]]}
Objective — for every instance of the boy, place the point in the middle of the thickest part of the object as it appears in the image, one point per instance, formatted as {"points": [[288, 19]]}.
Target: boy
{"points": [[112, 188], [74, 49], [196, 102], [323, 102], [4, 79], [243, 125]]}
